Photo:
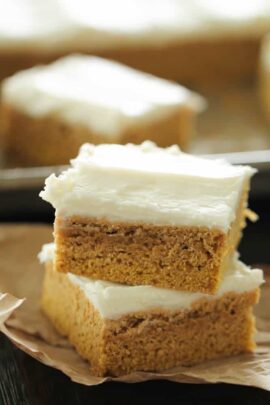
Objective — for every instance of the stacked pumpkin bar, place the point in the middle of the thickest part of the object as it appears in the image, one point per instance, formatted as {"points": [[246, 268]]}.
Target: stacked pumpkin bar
{"points": [[143, 274]]}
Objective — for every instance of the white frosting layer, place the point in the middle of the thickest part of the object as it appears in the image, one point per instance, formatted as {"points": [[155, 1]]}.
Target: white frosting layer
{"points": [[105, 96], [47, 253], [149, 184], [115, 300], [74, 25]]}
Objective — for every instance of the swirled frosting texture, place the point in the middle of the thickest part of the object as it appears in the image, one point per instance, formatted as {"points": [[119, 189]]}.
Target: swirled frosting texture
{"points": [[145, 183]]}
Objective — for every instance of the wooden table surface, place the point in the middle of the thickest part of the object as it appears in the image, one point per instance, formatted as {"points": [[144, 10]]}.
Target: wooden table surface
{"points": [[25, 381]]}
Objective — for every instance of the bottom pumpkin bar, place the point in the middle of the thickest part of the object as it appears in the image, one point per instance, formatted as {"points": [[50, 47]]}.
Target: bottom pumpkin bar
{"points": [[120, 328]]}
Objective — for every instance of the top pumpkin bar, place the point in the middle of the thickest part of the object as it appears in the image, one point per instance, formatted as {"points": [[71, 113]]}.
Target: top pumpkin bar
{"points": [[145, 215]]}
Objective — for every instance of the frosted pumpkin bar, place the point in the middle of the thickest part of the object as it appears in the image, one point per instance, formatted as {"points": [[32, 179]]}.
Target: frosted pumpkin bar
{"points": [[121, 329], [146, 215], [195, 41], [48, 112]]}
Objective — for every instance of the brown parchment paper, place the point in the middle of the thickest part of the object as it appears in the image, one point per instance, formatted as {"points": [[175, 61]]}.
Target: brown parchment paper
{"points": [[23, 323]]}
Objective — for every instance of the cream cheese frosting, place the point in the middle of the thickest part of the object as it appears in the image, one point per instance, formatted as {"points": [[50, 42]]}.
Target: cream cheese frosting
{"points": [[69, 25], [33, 25], [145, 183], [114, 300], [105, 96]]}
